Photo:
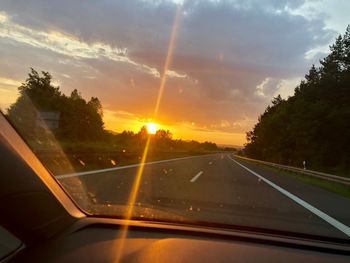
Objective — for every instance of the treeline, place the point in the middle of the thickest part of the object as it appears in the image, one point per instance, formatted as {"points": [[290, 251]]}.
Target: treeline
{"points": [[79, 120], [162, 141], [80, 126], [314, 124]]}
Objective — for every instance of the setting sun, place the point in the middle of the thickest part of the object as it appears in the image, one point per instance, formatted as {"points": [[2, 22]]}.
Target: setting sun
{"points": [[152, 128]]}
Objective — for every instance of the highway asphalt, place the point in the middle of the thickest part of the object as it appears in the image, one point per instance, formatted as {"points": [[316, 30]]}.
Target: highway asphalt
{"points": [[218, 189]]}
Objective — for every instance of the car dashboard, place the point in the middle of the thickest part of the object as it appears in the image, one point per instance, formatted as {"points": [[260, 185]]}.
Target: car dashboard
{"points": [[97, 240]]}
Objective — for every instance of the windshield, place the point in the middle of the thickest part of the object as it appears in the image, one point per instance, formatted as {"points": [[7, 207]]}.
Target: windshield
{"points": [[232, 114]]}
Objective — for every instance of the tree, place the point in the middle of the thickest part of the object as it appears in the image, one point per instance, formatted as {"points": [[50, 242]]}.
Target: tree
{"points": [[313, 124], [35, 94], [79, 120]]}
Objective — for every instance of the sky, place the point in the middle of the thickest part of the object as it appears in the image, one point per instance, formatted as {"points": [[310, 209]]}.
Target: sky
{"points": [[227, 61]]}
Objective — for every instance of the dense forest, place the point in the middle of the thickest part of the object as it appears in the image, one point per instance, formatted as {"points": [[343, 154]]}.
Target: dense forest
{"points": [[314, 124], [81, 127]]}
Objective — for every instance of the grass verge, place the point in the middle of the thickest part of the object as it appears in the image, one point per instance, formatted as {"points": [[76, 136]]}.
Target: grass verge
{"points": [[331, 186]]}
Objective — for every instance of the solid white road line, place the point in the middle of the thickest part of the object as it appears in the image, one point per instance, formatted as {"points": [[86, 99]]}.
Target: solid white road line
{"points": [[335, 223], [125, 167], [196, 177]]}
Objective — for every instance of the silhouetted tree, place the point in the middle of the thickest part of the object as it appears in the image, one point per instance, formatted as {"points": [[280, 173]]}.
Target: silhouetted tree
{"points": [[313, 124], [79, 120]]}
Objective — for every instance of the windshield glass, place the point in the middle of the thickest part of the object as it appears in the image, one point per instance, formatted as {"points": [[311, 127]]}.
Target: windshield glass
{"points": [[225, 113]]}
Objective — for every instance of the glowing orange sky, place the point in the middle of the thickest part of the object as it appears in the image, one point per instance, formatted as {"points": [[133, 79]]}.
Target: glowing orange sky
{"points": [[213, 84], [185, 131]]}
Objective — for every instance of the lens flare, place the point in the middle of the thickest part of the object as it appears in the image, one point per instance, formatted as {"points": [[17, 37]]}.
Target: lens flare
{"points": [[151, 127]]}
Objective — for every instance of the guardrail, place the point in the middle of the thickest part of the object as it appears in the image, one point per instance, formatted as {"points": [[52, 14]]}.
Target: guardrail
{"points": [[325, 176]]}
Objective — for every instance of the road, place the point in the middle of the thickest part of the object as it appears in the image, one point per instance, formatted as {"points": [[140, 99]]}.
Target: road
{"points": [[216, 188]]}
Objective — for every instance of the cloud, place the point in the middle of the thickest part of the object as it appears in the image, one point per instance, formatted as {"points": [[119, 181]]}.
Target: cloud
{"points": [[9, 82], [335, 13], [69, 45], [230, 57], [8, 91]]}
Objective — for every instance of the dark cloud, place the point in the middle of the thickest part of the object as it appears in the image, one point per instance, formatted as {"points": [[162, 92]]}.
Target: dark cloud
{"points": [[226, 48]]}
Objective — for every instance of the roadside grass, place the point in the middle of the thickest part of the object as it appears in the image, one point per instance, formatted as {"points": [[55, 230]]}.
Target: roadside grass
{"points": [[331, 186]]}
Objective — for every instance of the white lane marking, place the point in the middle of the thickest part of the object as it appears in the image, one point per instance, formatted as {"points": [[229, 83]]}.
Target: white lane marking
{"points": [[62, 176], [196, 177], [340, 226]]}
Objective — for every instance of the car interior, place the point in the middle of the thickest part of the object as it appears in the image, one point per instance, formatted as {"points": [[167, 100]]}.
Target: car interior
{"points": [[41, 223], [174, 131]]}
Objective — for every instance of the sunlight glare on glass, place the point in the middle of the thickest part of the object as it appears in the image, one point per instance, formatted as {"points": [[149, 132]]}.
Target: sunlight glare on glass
{"points": [[152, 128]]}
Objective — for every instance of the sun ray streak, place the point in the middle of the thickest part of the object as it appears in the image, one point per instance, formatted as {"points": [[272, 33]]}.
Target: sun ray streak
{"points": [[136, 184], [131, 202], [168, 60]]}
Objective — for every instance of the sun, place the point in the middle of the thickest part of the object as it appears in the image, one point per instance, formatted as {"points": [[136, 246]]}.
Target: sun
{"points": [[152, 128]]}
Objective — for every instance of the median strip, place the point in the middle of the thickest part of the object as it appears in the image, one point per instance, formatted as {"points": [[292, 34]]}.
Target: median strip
{"points": [[335, 223]]}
